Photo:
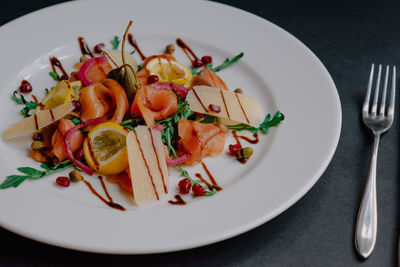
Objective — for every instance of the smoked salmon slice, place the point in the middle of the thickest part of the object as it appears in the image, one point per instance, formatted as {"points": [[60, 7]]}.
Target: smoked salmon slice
{"points": [[209, 78], [57, 140], [152, 104], [201, 140], [104, 99]]}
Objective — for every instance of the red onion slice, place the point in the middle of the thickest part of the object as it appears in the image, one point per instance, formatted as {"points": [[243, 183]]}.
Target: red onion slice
{"points": [[183, 91], [159, 127], [67, 143], [180, 160]]}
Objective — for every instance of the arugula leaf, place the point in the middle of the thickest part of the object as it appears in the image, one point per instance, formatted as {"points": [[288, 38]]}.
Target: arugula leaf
{"points": [[133, 52], [278, 117], [132, 123], [29, 105], [115, 42], [226, 63], [139, 66], [209, 119], [46, 91], [34, 174], [54, 76], [264, 126], [185, 174], [210, 193], [76, 121]]}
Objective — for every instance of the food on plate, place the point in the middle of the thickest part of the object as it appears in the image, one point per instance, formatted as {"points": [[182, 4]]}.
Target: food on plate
{"points": [[132, 122], [147, 165]]}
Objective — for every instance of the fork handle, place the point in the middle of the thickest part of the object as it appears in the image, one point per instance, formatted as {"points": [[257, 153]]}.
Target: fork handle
{"points": [[366, 227]]}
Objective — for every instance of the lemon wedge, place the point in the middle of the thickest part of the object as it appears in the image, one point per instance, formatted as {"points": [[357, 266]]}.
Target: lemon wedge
{"points": [[170, 71], [62, 93], [105, 149], [75, 87]]}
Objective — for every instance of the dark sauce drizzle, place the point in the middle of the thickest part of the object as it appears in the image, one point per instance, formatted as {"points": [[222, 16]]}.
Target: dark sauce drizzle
{"points": [[188, 51], [133, 43], [179, 201], [110, 202], [240, 104], [55, 63], [223, 99], [84, 47], [35, 99], [213, 184], [198, 99], [251, 141]]}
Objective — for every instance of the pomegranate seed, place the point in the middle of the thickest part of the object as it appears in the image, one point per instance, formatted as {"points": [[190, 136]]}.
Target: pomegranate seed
{"points": [[63, 181], [37, 137], [233, 149], [184, 186], [206, 60], [77, 105], [25, 87], [152, 79], [198, 190], [98, 48], [214, 108], [197, 63]]}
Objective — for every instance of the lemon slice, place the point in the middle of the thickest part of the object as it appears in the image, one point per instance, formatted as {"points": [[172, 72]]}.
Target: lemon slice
{"points": [[75, 87], [60, 94], [105, 150], [170, 71]]}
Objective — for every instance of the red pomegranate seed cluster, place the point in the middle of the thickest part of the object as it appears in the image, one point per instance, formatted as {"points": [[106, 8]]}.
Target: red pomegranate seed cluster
{"points": [[63, 181], [214, 108], [184, 186], [98, 48], [198, 190], [206, 60], [152, 79], [233, 149], [25, 87]]}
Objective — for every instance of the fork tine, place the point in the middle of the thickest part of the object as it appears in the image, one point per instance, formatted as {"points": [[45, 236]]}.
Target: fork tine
{"points": [[392, 94], [383, 101], [368, 94], [378, 83]]}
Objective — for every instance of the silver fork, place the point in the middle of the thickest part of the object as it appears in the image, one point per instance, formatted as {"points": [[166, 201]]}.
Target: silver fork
{"points": [[366, 227]]}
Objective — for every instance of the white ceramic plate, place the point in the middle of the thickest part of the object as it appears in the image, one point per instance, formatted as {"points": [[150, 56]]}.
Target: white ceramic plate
{"points": [[277, 69]]}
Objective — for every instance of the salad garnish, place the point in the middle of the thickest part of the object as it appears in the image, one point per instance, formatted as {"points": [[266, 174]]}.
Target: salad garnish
{"points": [[130, 122]]}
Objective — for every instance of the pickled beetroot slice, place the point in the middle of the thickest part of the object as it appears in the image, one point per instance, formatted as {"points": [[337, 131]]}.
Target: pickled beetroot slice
{"points": [[183, 91], [67, 143], [180, 160], [94, 70]]}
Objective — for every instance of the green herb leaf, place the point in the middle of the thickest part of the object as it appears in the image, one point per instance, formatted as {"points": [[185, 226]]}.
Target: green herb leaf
{"points": [[115, 42], [132, 123], [18, 98], [34, 174], [277, 119], [76, 121], [13, 181], [226, 63], [140, 66], [133, 52], [46, 91], [242, 127], [210, 193], [54, 76], [29, 105]]}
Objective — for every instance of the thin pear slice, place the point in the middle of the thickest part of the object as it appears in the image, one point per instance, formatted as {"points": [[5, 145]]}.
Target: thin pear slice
{"points": [[114, 57], [147, 165], [40, 119], [234, 107]]}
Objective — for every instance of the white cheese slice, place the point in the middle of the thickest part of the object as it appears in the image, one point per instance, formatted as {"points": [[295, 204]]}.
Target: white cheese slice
{"points": [[40, 119], [147, 165], [236, 108]]}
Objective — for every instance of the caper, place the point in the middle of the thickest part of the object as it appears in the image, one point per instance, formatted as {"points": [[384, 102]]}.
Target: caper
{"points": [[37, 145], [244, 154], [83, 58], [238, 91], [170, 49], [75, 176]]}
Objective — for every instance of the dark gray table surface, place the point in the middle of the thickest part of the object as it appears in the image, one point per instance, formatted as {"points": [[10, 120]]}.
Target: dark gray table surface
{"points": [[318, 230]]}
